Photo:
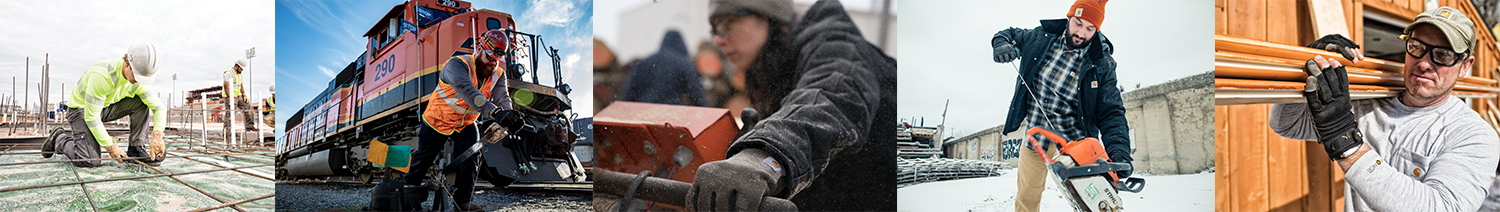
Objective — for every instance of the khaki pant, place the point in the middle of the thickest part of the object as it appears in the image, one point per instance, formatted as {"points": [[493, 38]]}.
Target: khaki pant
{"points": [[1031, 179]]}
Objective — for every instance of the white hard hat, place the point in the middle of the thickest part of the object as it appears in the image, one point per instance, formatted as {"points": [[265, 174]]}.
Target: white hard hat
{"points": [[244, 64], [273, 88], [142, 59]]}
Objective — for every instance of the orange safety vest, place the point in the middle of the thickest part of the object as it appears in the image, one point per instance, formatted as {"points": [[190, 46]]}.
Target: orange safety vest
{"points": [[446, 112]]}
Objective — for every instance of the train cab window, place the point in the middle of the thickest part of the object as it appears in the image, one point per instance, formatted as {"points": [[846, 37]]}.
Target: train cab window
{"points": [[492, 23]]}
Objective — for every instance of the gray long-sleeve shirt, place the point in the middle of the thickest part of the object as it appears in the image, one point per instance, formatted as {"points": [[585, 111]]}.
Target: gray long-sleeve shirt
{"points": [[1439, 158]]}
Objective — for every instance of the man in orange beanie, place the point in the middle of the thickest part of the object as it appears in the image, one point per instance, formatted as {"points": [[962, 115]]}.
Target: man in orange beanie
{"points": [[1067, 84]]}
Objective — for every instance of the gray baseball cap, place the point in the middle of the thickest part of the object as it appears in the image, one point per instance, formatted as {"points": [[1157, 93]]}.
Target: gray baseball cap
{"points": [[778, 10], [1454, 24]]}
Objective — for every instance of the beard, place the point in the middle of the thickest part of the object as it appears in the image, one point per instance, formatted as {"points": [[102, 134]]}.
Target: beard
{"points": [[1420, 92], [1071, 36]]}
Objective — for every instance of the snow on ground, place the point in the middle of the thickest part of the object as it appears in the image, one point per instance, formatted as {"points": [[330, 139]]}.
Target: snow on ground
{"points": [[1189, 192]]}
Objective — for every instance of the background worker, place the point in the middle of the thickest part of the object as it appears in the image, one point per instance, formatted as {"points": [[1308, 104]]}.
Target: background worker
{"points": [[269, 106], [1423, 149], [234, 88], [1067, 85], [827, 99], [463, 95], [110, 90], [666, 77]]}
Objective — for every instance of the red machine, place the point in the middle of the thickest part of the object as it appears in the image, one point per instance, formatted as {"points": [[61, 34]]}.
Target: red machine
{"points": [[1083, 169], [669, 140]]}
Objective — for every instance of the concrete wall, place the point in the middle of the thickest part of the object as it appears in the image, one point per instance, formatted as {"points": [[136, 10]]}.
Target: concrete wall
{"points": [[1172, 125], [988, 145]]}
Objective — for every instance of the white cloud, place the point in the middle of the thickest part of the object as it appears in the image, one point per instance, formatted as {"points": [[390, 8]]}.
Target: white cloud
{"points": [[570, 63], [552, 12], [326, 71]]}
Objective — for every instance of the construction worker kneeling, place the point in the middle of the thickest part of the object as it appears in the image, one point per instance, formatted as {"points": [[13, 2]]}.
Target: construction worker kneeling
{"points": [[110, 90]]}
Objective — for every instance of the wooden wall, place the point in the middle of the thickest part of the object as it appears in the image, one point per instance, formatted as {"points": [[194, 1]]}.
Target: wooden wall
{"points": [[1258, 170]]}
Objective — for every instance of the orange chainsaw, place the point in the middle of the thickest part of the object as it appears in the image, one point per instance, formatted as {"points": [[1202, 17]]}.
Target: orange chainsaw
{"points": [[1083, 168]]}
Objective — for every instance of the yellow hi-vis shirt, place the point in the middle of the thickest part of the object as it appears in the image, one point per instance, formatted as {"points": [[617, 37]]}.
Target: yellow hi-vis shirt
{"points": [[234, 84], [104, 84]]}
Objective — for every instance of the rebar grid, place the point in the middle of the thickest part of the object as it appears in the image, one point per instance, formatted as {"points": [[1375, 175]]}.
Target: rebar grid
{"points": [[202, 150]]}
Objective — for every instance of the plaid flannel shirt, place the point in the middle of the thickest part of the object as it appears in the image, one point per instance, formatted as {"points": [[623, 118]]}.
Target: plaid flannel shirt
{"points": [[1056, 91]]}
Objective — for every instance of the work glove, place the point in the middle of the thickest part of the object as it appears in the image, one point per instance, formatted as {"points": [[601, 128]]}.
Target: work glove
{"points": [[1327, 96], [114, 151], [506, 117], [157, 148], [1122, 157], [736, 184], [1006, 52], [1338, 43]]}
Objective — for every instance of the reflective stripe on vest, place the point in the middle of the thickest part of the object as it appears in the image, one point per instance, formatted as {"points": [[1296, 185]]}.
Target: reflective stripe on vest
{"points": [[452, 99], [459, 112]]}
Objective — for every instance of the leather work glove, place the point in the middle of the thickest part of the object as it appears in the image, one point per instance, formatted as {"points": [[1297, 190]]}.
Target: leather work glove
{"points": [[157, 148], [1006, 52], [1121, 157], [1327, 96], [114, 151], [494, 133], [1338, 43], [736, 184], [506, 117]]}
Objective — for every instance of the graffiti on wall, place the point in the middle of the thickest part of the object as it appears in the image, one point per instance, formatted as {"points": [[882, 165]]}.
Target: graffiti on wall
{"points": [[1010, 149]]}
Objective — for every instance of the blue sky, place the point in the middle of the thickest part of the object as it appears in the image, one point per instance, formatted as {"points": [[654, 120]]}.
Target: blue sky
{"points": [[318, 38]]}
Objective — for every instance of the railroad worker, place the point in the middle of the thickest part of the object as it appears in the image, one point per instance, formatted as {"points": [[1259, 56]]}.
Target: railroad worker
{"points": [[1066, 84], [666, 77], [828, 100], [234, 88], [463, 95], [1423, 148], [110, 90]]}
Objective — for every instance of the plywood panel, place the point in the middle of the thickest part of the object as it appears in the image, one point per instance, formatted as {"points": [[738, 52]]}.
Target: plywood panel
{"points": [[1328, 17], [1223, 195], [1250, 178], [1284, 158], [1358, 11], [1247, 18], [1319, 179], [1220, 17], [1281, 24]]}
